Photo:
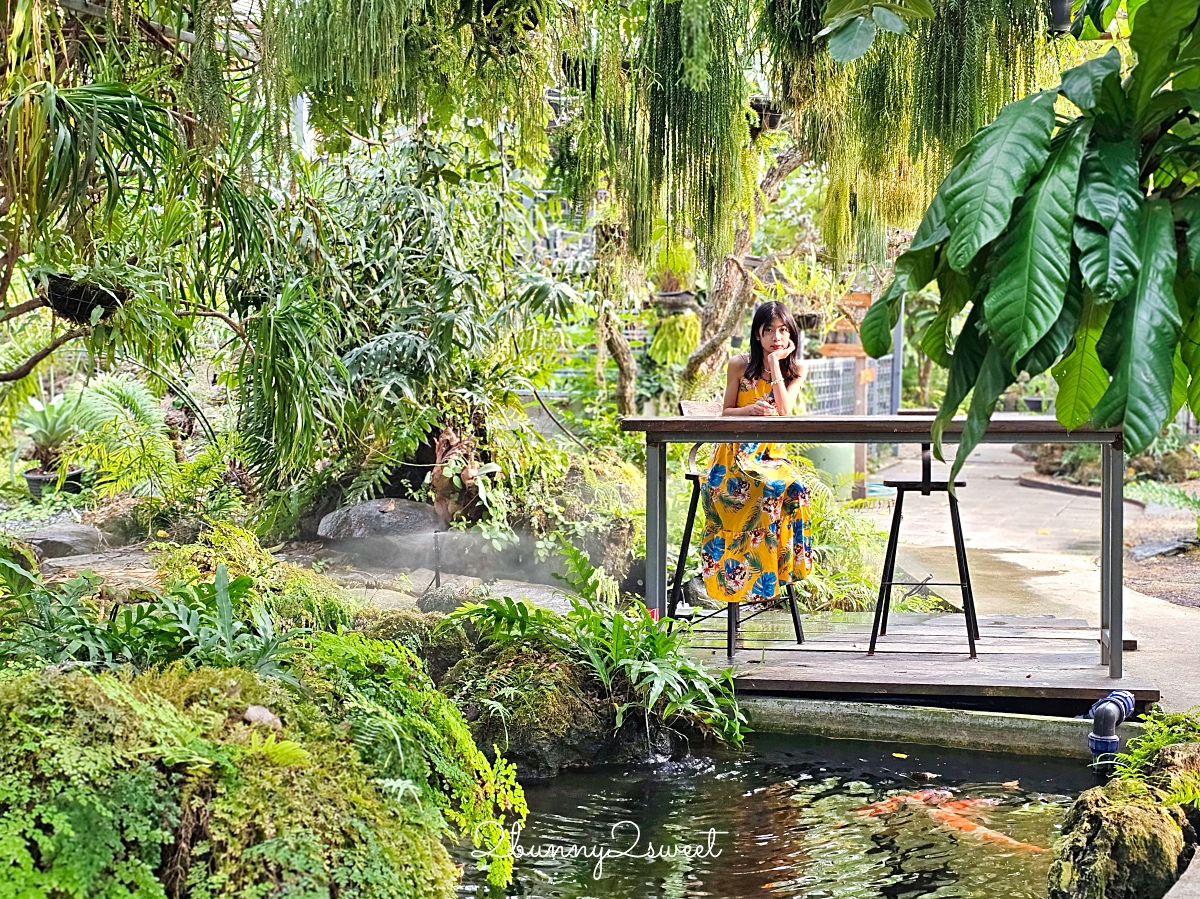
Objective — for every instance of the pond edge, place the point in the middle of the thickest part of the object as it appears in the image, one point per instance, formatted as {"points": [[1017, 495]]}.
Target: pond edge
{"points": [[951, 728]]}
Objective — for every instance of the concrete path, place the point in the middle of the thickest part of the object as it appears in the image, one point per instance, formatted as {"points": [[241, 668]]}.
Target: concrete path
{"points": [[1036, 552]]}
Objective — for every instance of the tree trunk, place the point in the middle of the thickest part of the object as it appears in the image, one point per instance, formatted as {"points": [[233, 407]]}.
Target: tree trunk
{"points": [[627, 367], [731, 293]]}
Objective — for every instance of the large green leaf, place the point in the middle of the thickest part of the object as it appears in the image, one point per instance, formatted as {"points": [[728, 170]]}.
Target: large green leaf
{"points": [[1047, 350], [914, 269], [1179, 388], [1004, 157], [1188, 210], [1140, 393], [1155, 40], [1081, 85], [1109, 199], [1189, 352], [995, 374], [851, 39], [965, 364], [955, 290], [1081, 378], [1032, 260], [875, 332]]}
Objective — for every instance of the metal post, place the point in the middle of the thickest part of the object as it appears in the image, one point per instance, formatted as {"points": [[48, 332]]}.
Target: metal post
{"points": [[656, 528], [437, 562], [897, 360], [1105, 542], [1112, 460]]}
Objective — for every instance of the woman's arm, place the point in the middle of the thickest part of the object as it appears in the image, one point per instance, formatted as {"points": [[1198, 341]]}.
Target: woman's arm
{"points": [[785, 394], [733, 377]]}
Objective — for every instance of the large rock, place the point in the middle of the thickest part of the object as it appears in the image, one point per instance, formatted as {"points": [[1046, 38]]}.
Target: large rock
{"points": [[380, 518], [544, 711], [1118, 844], [67, 539]]}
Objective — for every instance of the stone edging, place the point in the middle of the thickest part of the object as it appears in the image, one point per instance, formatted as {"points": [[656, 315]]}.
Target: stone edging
{"points": [[1188, 886], [1032, 479]]}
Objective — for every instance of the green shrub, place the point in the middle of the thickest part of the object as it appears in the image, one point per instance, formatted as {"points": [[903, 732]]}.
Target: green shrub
{"points": [[524, 695], [416, 739], [641, 665], [157, 787], [195, 624]]}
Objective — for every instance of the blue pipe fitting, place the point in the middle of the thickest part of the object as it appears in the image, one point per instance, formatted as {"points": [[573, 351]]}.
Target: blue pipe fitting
{"points": [[1107, 715]]}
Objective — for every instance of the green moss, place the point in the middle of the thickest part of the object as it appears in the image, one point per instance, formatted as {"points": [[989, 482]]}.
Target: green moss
{"points": [[156, 786], [439, 643], [534, 703], [416, 738]]}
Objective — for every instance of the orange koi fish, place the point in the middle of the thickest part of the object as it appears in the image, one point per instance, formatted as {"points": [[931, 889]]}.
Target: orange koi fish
{"points": [[958, 822], [944, 810], [887, 806]]}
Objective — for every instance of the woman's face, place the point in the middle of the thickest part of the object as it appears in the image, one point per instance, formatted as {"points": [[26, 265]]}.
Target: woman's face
{"points": [[775, 336]]}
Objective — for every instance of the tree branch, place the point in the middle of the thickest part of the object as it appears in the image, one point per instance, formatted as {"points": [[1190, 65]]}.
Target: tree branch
{"points": [[31, 363], [213, 313], [21, 309]]}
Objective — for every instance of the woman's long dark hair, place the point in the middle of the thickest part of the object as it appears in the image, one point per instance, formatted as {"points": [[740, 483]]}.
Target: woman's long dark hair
{"points": [[765, 316]]}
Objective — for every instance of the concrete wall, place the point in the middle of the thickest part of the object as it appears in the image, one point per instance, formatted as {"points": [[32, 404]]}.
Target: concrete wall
{"points": [[954, 728]]}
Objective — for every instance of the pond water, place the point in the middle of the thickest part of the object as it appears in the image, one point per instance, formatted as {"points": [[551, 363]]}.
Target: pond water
{"points": [[785, 819]]}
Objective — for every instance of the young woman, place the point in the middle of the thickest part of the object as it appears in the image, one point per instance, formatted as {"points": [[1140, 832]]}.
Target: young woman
{"points": [[757, 535]]}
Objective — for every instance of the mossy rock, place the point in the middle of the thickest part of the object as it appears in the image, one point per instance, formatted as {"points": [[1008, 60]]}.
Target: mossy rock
{"points": [[543, 710], [1118, 844], [295, 596], [436, 642], [448, 597]]}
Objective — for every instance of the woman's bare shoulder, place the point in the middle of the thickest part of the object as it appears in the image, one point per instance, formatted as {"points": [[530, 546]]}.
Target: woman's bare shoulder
{"points": [[738, 364]]}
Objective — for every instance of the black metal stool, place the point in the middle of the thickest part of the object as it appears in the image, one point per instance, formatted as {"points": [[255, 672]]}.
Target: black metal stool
{"points": [[926, 487], [733, 616]]}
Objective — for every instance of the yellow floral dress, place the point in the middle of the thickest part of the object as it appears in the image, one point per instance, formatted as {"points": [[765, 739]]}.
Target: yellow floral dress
{"points": [[758, 532]]}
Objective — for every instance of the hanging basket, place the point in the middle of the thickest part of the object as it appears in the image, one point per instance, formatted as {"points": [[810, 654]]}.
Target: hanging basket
{"points": [[1060, 16], [770, 116], [76, 300]]}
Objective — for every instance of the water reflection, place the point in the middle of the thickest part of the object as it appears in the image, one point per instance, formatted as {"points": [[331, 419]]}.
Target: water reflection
{"points": [[781, 821]]}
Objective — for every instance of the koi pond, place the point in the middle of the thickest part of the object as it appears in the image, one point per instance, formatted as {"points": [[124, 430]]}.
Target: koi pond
{"points": [[796, 817]]}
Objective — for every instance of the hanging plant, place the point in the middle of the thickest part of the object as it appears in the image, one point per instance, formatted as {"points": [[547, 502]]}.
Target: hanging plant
{"points": [[1075, 250], [675, 338], [694, 124]]}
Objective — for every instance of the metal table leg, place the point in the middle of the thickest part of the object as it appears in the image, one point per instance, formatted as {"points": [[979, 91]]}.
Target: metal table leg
{"points": [[656, 528], [1112, 600]]}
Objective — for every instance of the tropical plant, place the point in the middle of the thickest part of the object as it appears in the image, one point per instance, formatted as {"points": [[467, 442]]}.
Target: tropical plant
{"points": [[1074, 248], [50, 428], [195, 624], [640, 663]]}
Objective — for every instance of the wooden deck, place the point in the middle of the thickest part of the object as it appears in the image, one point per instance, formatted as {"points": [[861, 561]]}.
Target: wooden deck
{"points": [[1037, 664]]}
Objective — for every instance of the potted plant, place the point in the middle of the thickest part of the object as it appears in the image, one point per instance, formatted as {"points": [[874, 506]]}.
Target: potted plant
{"points": [[50, 427], [769, 116]]}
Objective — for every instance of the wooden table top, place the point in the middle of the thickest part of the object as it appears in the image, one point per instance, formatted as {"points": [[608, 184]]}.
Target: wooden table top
{"points": [[1004, 427]]}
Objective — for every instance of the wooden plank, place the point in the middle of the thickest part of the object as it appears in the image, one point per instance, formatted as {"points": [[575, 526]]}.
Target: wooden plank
{"points": [[1048, 676], [1084, 648]]}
